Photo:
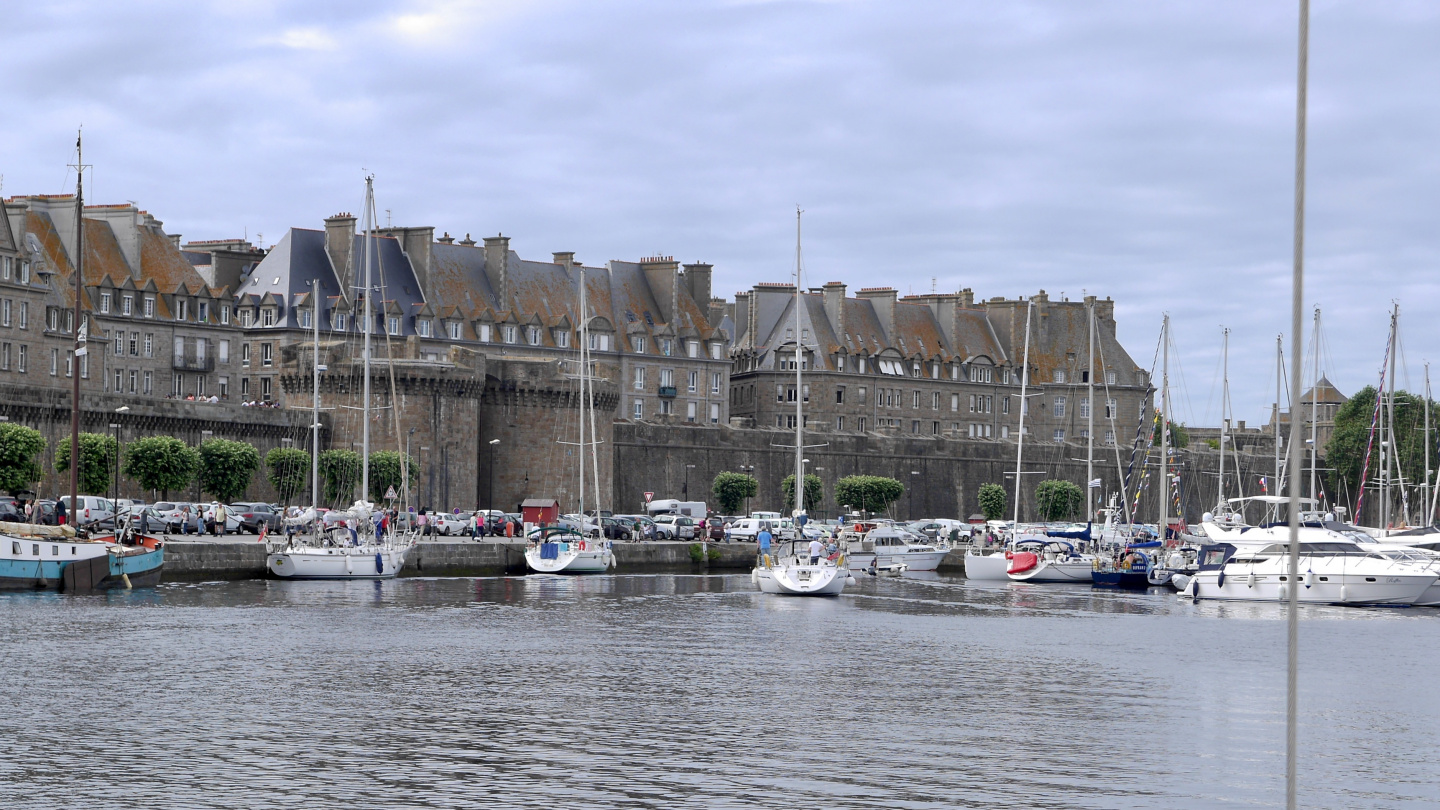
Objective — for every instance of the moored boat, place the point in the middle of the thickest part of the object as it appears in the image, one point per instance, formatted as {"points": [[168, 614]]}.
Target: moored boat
{"points": [[563, 550], [53, 558]]}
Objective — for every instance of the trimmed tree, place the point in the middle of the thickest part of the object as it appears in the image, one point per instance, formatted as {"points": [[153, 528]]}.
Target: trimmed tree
{"points": [[731, 489], [161, 463], [19, 445], [992, 501], [814, 492], [97, 458], [288, 470], [1058, 500], [340, 469], [226, 467], [870, 493], [385, 473]]}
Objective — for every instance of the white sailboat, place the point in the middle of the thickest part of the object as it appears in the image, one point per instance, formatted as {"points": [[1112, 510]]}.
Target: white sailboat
{"points": [[564, 549], [794, 571], [352, 551]]}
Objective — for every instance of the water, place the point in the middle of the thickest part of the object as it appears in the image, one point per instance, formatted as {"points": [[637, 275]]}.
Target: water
{"points": [[691, 691]]}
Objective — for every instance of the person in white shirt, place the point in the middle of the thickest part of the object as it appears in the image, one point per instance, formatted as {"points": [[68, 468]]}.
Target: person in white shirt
{"points": [[816, 550]]}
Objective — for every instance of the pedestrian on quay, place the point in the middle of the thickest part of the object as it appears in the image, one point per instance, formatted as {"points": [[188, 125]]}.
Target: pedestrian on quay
{"points": [[59, 512], [509, 527], [763, 538], [199, 521], [476, 525], [145, 520], [184, 520], [379, 520], [422, 522], [817, 550]]}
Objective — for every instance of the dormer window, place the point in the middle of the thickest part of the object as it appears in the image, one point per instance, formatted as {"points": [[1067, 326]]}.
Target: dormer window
{"points": [[306, 321], [127, 305], [422, 326], [532, 335], [267, 316], [562, 338], [225, 314], [104, 297], [510, 334], [149, 306], [9, 265], [716, 348], [599, 342], [454, 330], [339, 322], [1059, 375], [483, 333], [202, 312], [181, 309], [666, 347], [637, 344], [393, 325], [692, 347]]}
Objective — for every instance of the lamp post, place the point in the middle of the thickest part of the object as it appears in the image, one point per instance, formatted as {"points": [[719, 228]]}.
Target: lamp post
{"points": [[490, 496], [686, 489], [913, 473], [116, 427], [430, 484]]}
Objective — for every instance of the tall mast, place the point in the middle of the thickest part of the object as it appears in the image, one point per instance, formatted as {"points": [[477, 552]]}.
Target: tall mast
{"points": [[590, 397], [1279, 375], [79, 345], [315, 403], [1165, 426], [369, 325], [799, 390], [1020, 438], [1425, 491], [1387, 427], [1090, 421], [1224, 407], [1315, 408], [580, 297]]}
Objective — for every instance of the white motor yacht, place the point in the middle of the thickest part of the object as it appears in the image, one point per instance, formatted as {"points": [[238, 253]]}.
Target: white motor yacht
{"points": [[1334, 569], [884, 546]]}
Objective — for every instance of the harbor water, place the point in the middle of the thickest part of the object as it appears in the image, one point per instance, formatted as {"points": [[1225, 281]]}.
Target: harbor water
{"points": [[697, 691]]}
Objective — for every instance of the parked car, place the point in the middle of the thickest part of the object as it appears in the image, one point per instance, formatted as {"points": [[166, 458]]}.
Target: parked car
{"points": [[450, 525], [253, 515], [615, 528], [10, 514], [89, 510], [715, 528], [172, 513], [232, 519], [677, 527]]}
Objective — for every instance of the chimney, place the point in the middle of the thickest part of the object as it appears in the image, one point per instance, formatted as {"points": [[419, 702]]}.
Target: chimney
{"points": [[716, 314], [497, 264], [175, 240], [416, 243], [883, 299], [662, 273], [467, 241], [834, 294], [447, 239], [967, 297], [742, 320], [697, 281], [340, 241]]}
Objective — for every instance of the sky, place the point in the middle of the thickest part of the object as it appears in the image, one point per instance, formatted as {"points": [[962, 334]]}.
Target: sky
{"points": [[1138, 150]]}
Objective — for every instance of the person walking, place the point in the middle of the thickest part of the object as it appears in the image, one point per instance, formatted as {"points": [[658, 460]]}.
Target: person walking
{"points": [[763, 537], [222, 518], [184, 520]]}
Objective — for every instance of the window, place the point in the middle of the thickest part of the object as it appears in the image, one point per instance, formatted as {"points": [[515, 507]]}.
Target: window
{"points": [[1110, 409], [667, 406], [119, 343], [200, 386], [181, 308], [54, 361], [779, 393], [392, 325], [20, 360], [267, 354], [981, 374], [1059, 375], [666, 347], [972, 403], [306, 320], [127, 305], [693, 347], [149, 306], [244, 386], [202, 312], [1005, 376], [714, 413], [690, 412], [694, 380], [1004, 431], [839, 423], [840, 395], [637, 344], [954, 402], [225, 314], [69, 362], [935, 428], [915, 401], [9, 268], [224, 352], [860, 423], [562, 339], [1109, 437], [935, 401], [805, 392], [422, 327], [915, 426], [935, 372], [1109, 378], [715, 382], [24, 314], [265, 388], [104, 301], [338, 318], [484, 332], [639, 379], [149, 343], [1059, 434], [53, 317], [1059, 406], [915, 372], [119, 383], [223, 384], [24, 272], [5, 357], [955, 371], [179, 348], [511, 333], [715, 353], [862, 394], [1084, 434], [454, 330], [667, 378], [149, 381], [132, 382], [1084, 407], [532, 335], [638, 409], [267, 316]]}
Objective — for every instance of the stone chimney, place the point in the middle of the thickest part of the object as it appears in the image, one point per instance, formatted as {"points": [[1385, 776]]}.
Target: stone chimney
{"points": [[447, 239], [967, 297], [174, 240], [697, 281], [834, 294], [883, 299], [663, 275], [416, 243], [467, 241], [716, 313], [742, 320], [340, 241], [497, 267], [565, 258]]}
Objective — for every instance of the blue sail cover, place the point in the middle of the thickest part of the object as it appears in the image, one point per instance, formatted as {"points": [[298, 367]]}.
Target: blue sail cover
{"points": [[1083, 534]]}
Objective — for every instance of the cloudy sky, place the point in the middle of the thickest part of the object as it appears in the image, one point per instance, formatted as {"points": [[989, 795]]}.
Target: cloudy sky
{"points": [[1138, 150]]}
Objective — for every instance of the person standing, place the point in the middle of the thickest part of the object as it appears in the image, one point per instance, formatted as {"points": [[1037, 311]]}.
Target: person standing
{"points": [[59, 512], [199, 521], [763, 537], [817, 550]]}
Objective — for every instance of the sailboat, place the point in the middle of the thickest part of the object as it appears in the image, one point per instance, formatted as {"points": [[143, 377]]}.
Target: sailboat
{"points": [[793, 572], [564, 549], [60, 557], [350, 551]]}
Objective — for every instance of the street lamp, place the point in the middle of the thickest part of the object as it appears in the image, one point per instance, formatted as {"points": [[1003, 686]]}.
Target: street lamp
{"points": [[115, 487], [491, 495], [685, 490], [747, 469], [430, 485], [912, 494]]}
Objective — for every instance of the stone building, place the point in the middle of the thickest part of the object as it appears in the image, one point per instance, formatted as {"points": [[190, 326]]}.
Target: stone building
{"points": [[1319, 405], [934, 365]]}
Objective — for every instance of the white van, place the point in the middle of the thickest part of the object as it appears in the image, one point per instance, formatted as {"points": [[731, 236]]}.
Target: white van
{"points": [[748, 528], [93, 509]]}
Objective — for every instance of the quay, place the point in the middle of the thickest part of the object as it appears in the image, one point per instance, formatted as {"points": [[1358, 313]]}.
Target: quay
{"points": [[244, 558]]}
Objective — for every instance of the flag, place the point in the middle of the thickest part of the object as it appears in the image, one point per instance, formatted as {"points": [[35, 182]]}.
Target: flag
{"points": [[1095, 484], [1263, 488]]}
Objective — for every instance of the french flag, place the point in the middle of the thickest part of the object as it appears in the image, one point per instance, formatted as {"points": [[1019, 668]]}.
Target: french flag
{"points": [[1264, 488]]}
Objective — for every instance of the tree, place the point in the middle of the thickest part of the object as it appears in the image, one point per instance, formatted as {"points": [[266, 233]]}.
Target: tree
{"points": [[871, 493], [19, 445], [731, 489], [226, 467], [340, 470], [385, 473], [1345, 452], [992, 501], [97, 458], [288, 469], [1057, 499], [1179, 436], [161, 463], [814, 492]]}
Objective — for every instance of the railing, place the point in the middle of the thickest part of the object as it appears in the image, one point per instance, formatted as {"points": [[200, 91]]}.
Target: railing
{"points": [[667, 391], [192, 363]]}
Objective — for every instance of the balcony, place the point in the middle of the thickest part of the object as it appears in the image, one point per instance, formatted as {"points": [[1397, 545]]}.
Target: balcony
{"points": [[193, 363], [667, 391]]}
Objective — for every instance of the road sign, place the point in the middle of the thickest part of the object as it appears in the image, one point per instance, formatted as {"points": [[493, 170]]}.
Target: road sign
{"points": [[390, 494], [648, 496]]}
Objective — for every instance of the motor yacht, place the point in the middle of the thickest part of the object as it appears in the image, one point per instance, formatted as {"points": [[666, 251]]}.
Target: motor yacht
{"points": [[868, 545]]}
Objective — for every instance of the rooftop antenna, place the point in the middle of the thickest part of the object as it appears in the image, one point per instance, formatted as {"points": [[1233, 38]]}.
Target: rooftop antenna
{"points": [[932, 285], [387, 217]]}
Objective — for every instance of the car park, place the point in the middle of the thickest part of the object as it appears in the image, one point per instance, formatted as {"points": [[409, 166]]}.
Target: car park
{"points": [[89, 510], [254, 515]]}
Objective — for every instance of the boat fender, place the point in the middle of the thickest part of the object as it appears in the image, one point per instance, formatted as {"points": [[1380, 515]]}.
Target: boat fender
{"points": [[125, 578], [1284, 591], [1195, 589], [849, 579], [754, 576], [1220, 580], [347, 565], [1344, 593], [1309, 578], [1250, 582], [379, 563]]}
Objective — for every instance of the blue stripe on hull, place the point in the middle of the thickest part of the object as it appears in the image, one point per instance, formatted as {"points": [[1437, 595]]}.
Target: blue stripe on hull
{"points": [[143, 569]]}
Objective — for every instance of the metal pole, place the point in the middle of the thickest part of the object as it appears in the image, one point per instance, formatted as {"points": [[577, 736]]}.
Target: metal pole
{"points": [[1224, 415], [1165, 427], [1090, 421], [799, 389], [1020, 437], [369, 324], [1315, 407], [75, 352]]}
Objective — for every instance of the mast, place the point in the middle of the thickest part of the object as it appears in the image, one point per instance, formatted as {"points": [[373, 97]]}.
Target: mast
{"points": [[315, 405], [1020, 438], [1315, 409], [1165, 426], [590, 397], [1224, 408], [369, 325], [1279, 375], [1387, 429], [580, 298], [799, 391], [1090, 420], [1425, 491], [77, 352]]}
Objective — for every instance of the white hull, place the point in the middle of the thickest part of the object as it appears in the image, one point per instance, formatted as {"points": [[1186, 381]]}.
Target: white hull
{"points": [[1349, 589], [589, 557], [1057, 571], [346, 562], [801, 580], [987, 567], [927, 560]]}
